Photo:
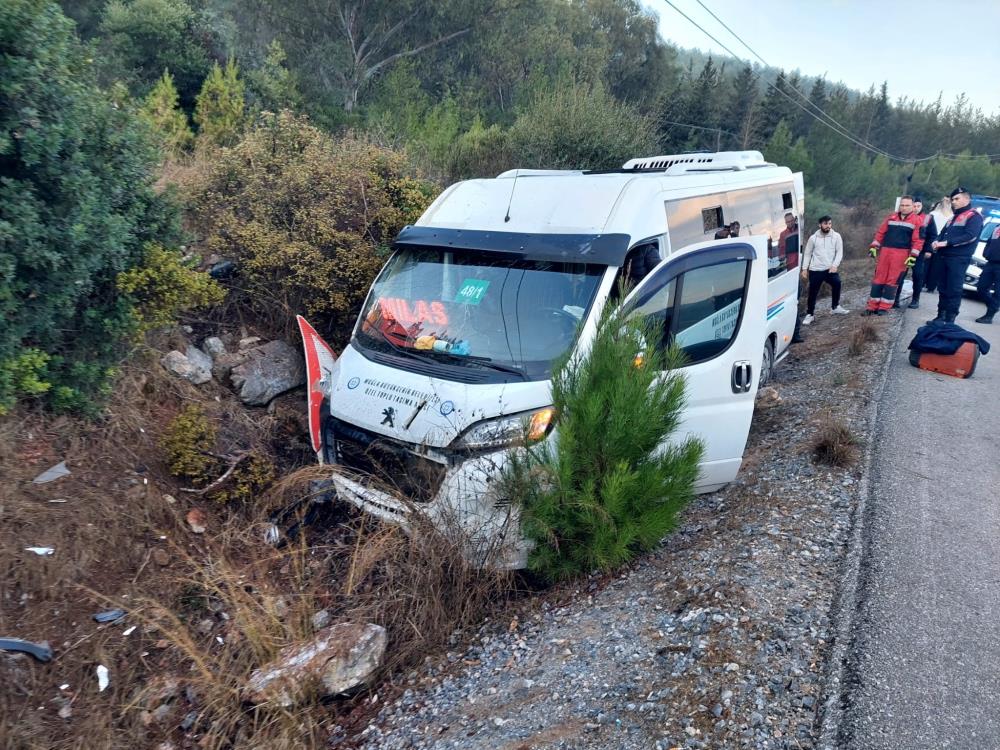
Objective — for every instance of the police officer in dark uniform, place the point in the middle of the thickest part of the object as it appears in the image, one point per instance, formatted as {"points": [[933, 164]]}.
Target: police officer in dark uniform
{"points": [[954, 248], [989, 281]]}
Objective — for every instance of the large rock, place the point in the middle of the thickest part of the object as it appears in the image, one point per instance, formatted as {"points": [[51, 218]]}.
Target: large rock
{"points": [[268, 369], [194, 365], [335, 660]]}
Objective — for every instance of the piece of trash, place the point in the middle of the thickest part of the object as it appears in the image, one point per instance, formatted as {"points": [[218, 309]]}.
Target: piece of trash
{"points": [[110, 615], [64, 686], [59, 500], [271, 534], [41, 551], [51, 474], [40, 651], [198, 520], [102, 678], [128, 630], [219, 639], [66, 712]]}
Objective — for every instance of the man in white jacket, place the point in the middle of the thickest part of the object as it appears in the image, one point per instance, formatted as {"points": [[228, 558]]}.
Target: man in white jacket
{"points": [[820, 265]]}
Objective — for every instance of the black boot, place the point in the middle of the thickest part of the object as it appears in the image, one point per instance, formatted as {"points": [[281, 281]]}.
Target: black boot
{"points": [[914, 303], [987, 318], [935, 321], [950, 318]]}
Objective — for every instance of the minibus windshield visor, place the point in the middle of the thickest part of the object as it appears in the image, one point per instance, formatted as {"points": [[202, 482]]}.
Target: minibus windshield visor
{"points": [[483, 309]]}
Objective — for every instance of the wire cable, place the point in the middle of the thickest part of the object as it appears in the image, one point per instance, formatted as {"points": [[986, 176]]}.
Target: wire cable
{"points": [[819, 114]]}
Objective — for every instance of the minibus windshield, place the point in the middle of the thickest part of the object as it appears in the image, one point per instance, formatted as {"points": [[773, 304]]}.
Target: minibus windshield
{"points": [[466, 308]]}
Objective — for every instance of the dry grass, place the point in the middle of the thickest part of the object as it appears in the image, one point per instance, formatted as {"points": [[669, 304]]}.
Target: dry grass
{"points": [[864, 334], [834, 443], [225, 584]]}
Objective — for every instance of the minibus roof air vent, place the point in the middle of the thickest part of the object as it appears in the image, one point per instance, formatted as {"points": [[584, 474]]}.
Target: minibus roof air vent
{"points": [[697, 162]]}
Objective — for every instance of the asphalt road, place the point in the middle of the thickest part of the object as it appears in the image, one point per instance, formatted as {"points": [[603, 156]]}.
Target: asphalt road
{"points": [[923, 667]]}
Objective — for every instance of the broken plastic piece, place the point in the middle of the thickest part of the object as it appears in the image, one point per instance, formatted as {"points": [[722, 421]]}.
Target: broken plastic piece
{"points": [[222, 270], [51, 474], [41, 551], [102, 678], [110, 615], [40, 651], [128, 630]]}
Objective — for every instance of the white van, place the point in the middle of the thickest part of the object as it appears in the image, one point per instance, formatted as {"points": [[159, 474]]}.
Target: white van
{"points": [[453, 351]]}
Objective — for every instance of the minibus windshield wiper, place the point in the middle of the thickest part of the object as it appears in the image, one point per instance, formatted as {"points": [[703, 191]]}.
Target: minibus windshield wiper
{"points": [[482, 361], [456, 358]]}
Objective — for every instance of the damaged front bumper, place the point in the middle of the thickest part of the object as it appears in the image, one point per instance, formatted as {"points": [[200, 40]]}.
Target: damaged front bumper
{"points": [[466, 507]]}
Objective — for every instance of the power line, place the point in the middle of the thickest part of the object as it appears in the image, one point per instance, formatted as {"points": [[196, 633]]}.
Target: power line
{"points": [[788, 83], [839, 131], [823, 117]]}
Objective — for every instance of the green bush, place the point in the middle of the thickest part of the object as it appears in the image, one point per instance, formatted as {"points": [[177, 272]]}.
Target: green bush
{"points": [[76, 209], [168, 121], [580, 127], [188, 441], [219, 109], [163, 287], [306, 216], [606, 488]]}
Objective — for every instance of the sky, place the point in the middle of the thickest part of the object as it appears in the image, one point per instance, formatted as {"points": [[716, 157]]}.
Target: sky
{"points": [[921, 47]]}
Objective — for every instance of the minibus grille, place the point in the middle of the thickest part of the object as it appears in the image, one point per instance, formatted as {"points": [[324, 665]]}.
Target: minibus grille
{"points": [[389, 462]]}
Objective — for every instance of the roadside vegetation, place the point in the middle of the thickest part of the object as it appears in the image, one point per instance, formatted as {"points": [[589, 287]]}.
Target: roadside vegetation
{"points": [[611, 486], [172, 170]]}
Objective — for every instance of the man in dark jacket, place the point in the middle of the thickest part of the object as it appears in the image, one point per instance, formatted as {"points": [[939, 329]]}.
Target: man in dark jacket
{"points": [[928, 233], [955, 245], [989, 280]]}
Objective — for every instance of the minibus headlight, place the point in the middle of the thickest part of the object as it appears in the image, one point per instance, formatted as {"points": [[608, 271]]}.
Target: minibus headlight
{"points": [[507, 430]]}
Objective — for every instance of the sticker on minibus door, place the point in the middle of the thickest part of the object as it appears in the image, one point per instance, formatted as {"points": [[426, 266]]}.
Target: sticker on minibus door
{"points": [[472, 291]]}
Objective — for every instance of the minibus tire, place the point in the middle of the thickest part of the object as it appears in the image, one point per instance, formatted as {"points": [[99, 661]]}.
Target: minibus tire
{"points": [[767, 363]]}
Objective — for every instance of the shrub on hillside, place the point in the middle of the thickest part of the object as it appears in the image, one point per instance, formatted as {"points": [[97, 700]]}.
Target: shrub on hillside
{"points": [[580, 127], [307, 217], [188, 442], [163, 287], [76, 209], [169, 123], [606, 488]]}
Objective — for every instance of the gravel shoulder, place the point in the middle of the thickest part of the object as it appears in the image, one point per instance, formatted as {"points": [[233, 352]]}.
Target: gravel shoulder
{"points": [[720, 638]]}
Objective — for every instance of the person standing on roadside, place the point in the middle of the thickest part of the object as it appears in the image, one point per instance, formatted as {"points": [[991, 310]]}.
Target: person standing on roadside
{"points": [[954, 247], [896, 246], [989, 280], [820, 265], [941, 213], [928, 233]]}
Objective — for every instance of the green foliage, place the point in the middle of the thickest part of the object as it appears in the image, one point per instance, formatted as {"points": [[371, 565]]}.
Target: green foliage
{"points": [[306, 216], [607, 487], [479, 152], [21, 376], [163, 287], [170, 124], [580, 127], [76, 209], [219, 109], [782, 149], [188, 442], [273, 86], [248, 481], [142, 38]]}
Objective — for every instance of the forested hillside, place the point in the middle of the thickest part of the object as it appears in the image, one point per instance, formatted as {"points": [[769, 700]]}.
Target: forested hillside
{"points": [[406, 96], [469, 86]]}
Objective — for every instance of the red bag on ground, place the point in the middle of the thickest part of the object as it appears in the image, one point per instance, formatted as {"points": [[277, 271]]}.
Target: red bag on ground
{"points": [[961, 364]]}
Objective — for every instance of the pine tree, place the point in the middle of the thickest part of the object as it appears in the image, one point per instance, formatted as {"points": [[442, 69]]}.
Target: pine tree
{"points": [[219, 108], [275, 86], [742, 114], [162, 112]]}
